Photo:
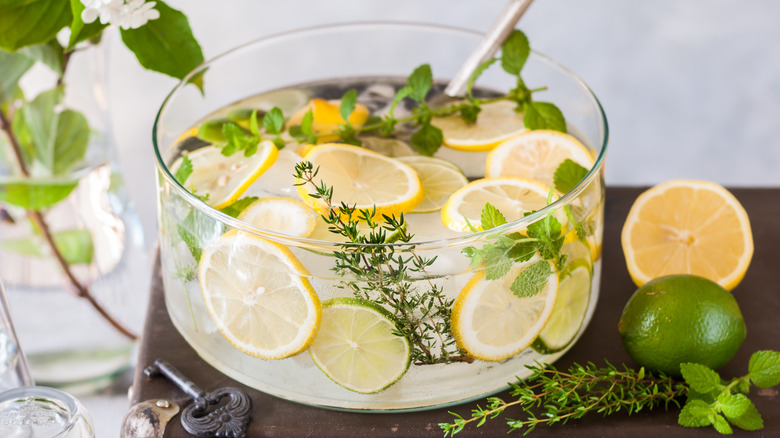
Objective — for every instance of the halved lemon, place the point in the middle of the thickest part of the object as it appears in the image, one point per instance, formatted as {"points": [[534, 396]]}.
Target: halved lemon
{"points": [[536, 155], [327, 117], [258, 296], [225, 179], [496, 122], [358, 346], [569, 311], [688, 227], [511, 196], [283, 215], [362, 178], [490, 322], [439, 178]]}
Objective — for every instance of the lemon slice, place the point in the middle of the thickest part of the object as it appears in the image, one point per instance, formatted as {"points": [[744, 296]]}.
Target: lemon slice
{"points": [[536, 155], [327, 117], [688, 227], [511, 196], [490, 322], [569, 311], [496, 122], [258, 296], [282, 215], [357, 346], [439, 178], [363, 179], [390, 147], [223, 179]]}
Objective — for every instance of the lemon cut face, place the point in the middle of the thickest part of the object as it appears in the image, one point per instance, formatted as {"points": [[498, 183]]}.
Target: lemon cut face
{"points": [[224, 179], [282, 215], [439, 178], [363, 179], [688, 227], [496, 122], [491, 323], [257, 294]]}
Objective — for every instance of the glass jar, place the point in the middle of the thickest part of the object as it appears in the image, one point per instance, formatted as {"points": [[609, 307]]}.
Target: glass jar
{"points": [[379, 53]]}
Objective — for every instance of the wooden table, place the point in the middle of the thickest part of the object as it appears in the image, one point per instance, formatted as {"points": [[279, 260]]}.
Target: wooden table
{"points": [[758, 296]]}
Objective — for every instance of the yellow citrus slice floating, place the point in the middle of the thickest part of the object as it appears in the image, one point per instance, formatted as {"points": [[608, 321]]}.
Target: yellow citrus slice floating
{"points": [[536, 155], [496, 122], [362, 178], [688, 227], [357, 345], [490, 322], [439, 178], [327, 117], [511, 196], [225, 179], [569, 311], [282, 215], [258, 296]]}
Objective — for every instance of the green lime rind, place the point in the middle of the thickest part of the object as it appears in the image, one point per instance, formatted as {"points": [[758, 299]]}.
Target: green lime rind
{"points": [[569, 311], [389, 355]]}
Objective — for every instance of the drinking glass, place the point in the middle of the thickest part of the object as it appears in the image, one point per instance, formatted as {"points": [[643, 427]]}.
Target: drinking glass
{"points": [[380, 54], [41, 412]]}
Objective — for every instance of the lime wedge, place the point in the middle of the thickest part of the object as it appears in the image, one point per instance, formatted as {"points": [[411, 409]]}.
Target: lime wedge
{"points": [[569, 311], [357, 345]]}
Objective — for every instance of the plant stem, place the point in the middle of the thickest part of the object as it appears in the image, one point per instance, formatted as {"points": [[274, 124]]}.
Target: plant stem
{"points": [[37, 217]]}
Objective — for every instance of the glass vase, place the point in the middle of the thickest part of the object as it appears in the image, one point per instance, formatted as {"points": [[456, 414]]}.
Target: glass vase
{"points": [[72, 253]]}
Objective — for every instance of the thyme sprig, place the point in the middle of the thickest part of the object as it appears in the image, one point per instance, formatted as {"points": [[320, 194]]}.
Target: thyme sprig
{"points": [[551, 396], [377, 271]]}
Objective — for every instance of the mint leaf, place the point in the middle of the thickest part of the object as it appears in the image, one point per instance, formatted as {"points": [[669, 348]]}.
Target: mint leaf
{"points": [[35, 193], [720, 424], [273, 121], [237, 139], [695, 413], [80, 31], [543, 115], [420, 82], [733, 405], [469, 112], [24, 23], [234, 209], [348, 101], [514, 52], [548, 231], [478, 72], [184, 171], [491, 217], [254, 126], [532, 279], [750, 419], [191, 241], [700, 377], [12, 67], [427, 140], [568, 175], [165, 45], [497, 262], [400, 95], [764, 368], [212, 130], [75, 246]]}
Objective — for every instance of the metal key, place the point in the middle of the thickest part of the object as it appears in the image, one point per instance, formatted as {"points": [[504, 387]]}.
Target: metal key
{"points": [[227, 421]]}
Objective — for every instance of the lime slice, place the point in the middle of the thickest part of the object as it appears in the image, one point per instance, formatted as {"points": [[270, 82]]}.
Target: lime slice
{"points": [[490, 322], [439, 178], [258, 296], [569, 310], [357, 346]]}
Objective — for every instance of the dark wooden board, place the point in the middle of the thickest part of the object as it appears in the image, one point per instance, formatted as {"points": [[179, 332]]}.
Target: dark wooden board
{"points": [[758, 296]]}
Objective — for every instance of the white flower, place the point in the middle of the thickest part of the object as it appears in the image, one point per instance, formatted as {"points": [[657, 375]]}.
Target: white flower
{"points": [[127, 15]]}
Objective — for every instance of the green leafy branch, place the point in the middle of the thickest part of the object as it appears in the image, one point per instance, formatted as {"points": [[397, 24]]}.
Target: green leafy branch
{"points": [[380, 274], [551, 396]]}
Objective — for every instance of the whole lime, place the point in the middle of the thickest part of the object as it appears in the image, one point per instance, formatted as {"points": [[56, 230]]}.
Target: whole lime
{"points": [[681, 318]]}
